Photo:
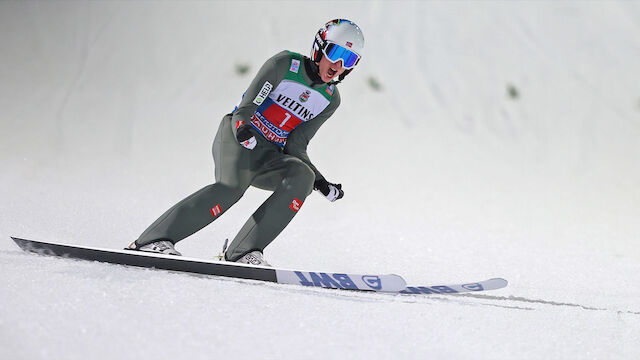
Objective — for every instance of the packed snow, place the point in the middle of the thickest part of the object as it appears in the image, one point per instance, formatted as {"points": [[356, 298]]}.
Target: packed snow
{"points": [[474, 140]]}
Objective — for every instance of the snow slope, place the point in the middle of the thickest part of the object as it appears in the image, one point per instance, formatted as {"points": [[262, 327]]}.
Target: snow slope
{"points": [[501, 141]]}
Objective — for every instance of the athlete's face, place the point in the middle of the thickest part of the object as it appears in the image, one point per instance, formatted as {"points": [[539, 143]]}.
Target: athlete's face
{"points": [[329, 70]]}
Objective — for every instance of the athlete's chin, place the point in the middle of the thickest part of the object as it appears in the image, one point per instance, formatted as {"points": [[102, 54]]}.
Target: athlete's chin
{"points": [[327, 78]]}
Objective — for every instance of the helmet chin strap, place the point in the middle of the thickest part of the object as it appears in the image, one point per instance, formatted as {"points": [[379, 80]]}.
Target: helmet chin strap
{"points": [[313, 70], [342, 76]]}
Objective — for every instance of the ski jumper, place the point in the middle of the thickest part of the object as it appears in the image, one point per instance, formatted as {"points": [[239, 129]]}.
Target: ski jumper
{"points": [[285, 108]]}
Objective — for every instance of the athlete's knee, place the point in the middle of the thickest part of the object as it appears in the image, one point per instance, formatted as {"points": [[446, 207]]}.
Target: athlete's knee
{"points": [[224, 194], [300, 175]]}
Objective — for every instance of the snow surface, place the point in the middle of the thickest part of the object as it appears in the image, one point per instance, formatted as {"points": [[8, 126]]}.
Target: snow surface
{"points": [[108, 111]]}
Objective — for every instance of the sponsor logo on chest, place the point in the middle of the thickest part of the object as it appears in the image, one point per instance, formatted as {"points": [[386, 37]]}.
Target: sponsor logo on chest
{"points": [[299, 100], [305, 96], [264, 91], [295, 107], [295, 66]]}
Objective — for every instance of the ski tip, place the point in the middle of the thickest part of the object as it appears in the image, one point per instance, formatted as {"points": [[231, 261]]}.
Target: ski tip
{"points": [[396, 285], [497, 281]]}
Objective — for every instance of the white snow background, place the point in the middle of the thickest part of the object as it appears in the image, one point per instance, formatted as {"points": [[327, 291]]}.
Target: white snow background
{"points": [[474, 140]]}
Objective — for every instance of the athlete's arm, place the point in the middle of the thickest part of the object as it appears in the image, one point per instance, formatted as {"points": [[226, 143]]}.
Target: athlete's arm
{"points": [[299, 138]]}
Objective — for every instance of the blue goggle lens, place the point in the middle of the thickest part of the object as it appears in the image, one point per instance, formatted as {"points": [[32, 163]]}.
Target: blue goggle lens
{"points": [[336, 52]]}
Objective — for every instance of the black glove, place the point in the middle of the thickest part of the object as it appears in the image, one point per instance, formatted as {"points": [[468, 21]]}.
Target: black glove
{"points": [[331, 191], [245, 136]]}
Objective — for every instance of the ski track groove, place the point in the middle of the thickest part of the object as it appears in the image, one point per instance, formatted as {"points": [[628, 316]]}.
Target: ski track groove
{"points": [[542, 302]]}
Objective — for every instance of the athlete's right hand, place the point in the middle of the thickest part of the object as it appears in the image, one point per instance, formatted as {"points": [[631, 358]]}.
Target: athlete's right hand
{"points": [[244, 135]]}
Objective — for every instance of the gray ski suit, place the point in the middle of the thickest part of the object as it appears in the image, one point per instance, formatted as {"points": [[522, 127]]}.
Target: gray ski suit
{"points": [[285, 108]]}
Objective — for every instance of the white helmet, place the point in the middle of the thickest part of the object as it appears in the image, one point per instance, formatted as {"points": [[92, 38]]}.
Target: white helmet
{"points": [[339, 39]]}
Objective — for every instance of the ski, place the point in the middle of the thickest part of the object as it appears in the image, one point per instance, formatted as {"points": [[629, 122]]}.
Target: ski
{"points": [[389, 283], [491, 284], [364, 282]]}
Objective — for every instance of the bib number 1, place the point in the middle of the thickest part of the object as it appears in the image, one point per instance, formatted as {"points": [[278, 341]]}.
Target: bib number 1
{"points": [[287, 116]]}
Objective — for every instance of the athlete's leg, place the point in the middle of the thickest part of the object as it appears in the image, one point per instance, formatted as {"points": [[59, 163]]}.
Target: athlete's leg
{"points": [[207, 204], [192, 214], [292, 181]]}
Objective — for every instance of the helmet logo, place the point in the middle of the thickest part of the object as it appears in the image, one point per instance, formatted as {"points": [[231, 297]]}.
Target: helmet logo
{"points": [[349, 44], [305, 96]]}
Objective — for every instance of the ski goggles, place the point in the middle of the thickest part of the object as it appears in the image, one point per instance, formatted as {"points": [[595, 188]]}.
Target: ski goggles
{"points": [[335, 52]]}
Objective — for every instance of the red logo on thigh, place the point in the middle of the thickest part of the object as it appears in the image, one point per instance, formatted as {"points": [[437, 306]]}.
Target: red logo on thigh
{"points": [[295, 205], [216, 210]]}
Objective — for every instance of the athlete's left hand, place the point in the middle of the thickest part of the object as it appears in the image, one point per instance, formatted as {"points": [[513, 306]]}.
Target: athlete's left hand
{"points": [[331, 191], [245, 137]]}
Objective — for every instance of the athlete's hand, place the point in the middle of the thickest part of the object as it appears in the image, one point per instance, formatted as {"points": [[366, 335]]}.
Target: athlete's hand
{"points": [[244, 135], [331, 191]]}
